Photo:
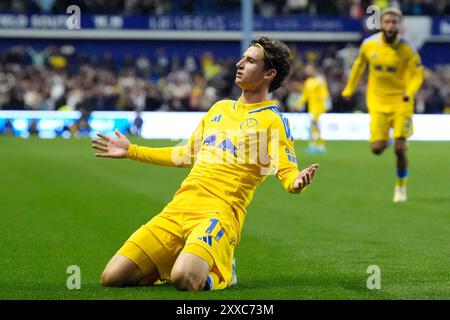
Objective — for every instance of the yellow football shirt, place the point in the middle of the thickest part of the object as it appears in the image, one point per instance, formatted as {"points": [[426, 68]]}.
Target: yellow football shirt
{"points": [[315, 93], [395, 70], [234, 148]]}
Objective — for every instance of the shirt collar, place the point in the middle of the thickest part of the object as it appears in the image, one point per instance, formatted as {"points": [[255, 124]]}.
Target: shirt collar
{"points": [[253, 106]]}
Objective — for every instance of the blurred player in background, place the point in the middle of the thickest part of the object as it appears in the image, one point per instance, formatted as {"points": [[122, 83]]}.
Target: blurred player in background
{"points": [[395, 76], [315, 93], [191, 242], [138, 122]]}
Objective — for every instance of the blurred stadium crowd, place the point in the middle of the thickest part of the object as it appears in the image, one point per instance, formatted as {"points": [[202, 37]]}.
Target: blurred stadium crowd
{"points": [[64, 78], [267, 8], [60, 78]]}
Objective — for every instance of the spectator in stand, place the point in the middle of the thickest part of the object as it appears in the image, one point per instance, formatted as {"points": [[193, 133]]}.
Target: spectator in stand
{"points": [[160, 82], [267, 8]]}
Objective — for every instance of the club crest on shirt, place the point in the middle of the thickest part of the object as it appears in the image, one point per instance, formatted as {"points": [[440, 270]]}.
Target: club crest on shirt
{"points": [[249, 124]]}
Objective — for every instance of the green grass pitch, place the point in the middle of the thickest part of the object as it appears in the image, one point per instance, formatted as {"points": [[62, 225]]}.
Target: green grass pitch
{"points": [[61, 206]]}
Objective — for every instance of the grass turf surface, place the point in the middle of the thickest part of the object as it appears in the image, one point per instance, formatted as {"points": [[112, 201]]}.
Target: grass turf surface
{"points": [[60, 206]]}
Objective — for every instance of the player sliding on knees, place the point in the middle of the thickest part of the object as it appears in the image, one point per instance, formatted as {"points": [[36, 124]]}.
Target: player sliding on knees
{"points": [[395, 76], [235, 147]]}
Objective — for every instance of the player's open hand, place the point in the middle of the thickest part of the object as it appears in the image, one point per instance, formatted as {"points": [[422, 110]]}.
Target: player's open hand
{"points": [[111, 147], [305, 177]]}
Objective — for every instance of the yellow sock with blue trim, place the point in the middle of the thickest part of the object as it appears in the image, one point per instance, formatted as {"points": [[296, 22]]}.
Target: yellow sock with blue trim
{"points": [[213, 282]]}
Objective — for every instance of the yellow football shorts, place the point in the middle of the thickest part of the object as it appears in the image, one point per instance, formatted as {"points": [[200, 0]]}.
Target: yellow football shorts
{"points": [[208, 235], [381, 123]]}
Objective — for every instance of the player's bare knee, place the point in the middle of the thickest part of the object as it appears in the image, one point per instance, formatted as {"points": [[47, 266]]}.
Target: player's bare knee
{"points": [[109, 279], [185, 280], [378, 147], [182, 281], [377, 150]]}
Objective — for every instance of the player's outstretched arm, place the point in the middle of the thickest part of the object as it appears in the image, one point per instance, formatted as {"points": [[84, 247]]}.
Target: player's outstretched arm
{"points": [[115, 148], [176, 156], [355, 74], [305, 177]]}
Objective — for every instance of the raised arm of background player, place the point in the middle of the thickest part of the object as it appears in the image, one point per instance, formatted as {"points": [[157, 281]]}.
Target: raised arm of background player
{"points": [[355, 75]]}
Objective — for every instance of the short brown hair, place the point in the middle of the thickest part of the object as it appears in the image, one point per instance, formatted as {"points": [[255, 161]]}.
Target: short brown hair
{"points": [[276, 56]]}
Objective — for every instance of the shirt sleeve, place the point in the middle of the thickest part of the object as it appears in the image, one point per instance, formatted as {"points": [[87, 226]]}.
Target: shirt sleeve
{"points": [[304, 97], [282, 154], [355, 75], [325, 91], [178, 156], [414, 75]]}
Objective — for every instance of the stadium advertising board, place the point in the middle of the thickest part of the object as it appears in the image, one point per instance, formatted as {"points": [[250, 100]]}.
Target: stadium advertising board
{"points": [[180, 125], [184, 23]]}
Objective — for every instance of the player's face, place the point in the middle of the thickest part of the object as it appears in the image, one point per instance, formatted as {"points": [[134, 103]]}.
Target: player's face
{"points": [[250, 72], [390, 24], [310, 71]]}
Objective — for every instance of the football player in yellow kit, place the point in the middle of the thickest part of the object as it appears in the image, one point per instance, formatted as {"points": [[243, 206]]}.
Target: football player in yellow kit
{"points": [[395, 76], [315, 93], [234, 148]]}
